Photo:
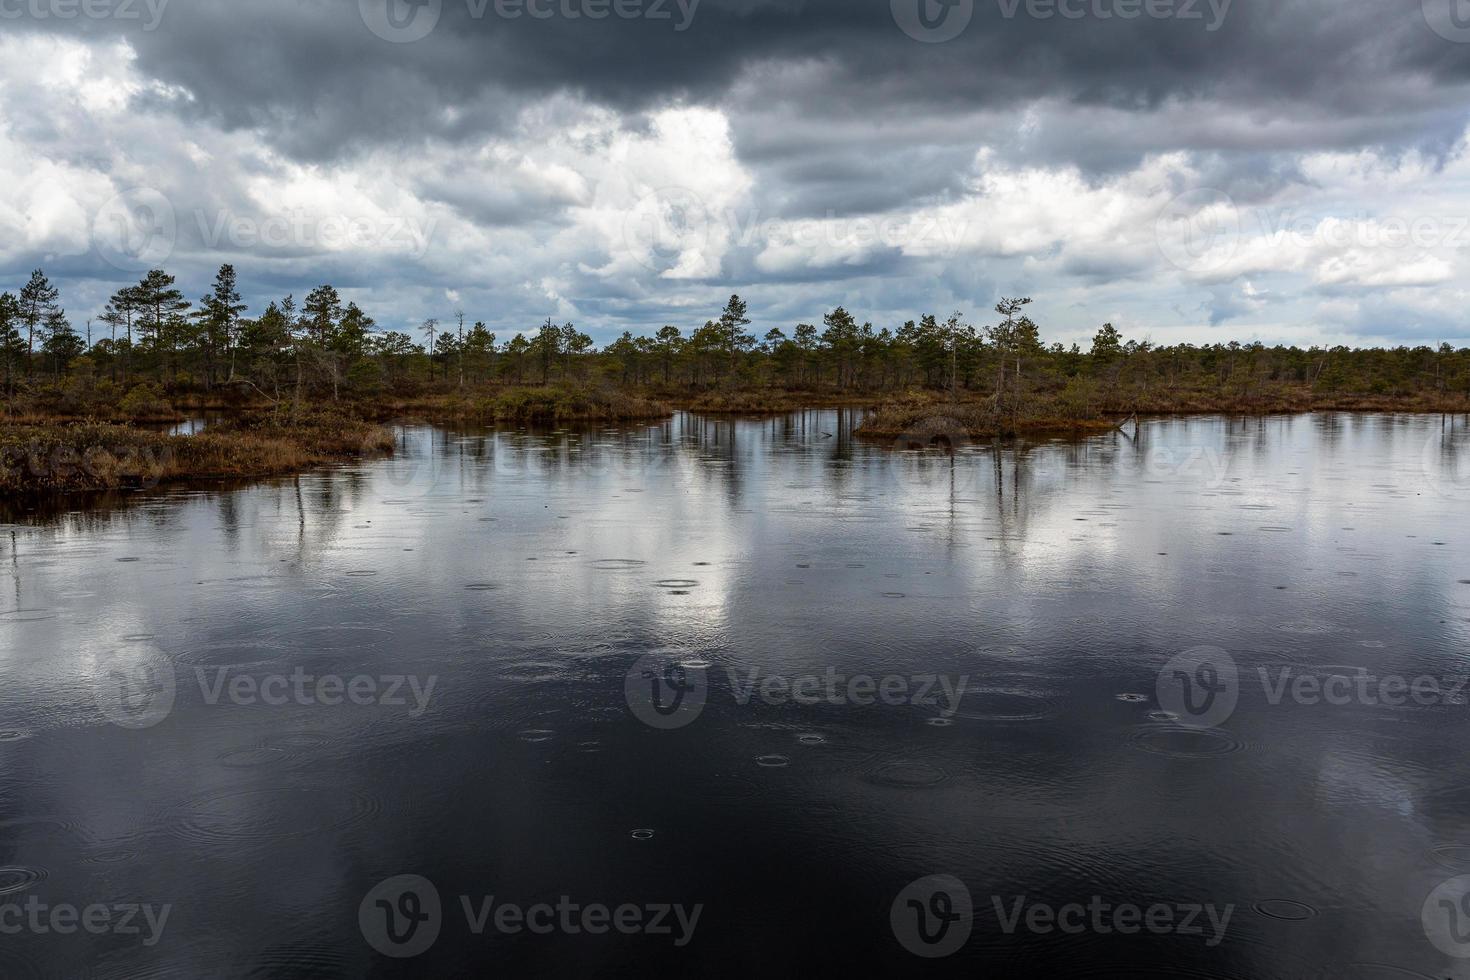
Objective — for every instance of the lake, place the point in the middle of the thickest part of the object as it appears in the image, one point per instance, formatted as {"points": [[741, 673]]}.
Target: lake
{"points": [[754, 697]]}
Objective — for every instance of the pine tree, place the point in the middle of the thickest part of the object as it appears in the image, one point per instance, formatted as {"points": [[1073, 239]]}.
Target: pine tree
{"points": [[323, 312], [161, 312], [1107, 344], [668, 345], [548, 345], [62, 344], [479, 345], [122, 309], [219, 312], [733, 321], [37, 302], [10, 342]]}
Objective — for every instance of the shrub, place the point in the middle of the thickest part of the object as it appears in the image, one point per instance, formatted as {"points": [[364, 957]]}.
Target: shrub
{"points": [[365, 377], [145, 401]]}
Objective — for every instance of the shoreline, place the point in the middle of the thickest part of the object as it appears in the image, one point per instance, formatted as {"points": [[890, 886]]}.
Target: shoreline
{"points": [[42, 460], [44, 457]]}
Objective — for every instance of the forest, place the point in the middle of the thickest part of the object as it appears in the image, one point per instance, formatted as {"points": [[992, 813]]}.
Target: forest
{"points": [[307, 379], [150, 333]]}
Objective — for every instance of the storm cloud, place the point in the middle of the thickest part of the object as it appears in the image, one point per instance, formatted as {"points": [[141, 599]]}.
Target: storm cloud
{"points": [[1188, 169]]}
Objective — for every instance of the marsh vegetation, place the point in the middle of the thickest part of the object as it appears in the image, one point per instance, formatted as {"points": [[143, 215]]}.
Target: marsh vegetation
{"points": [[303, 383]]}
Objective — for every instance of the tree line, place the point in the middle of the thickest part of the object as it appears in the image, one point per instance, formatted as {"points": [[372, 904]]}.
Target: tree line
{"points": [[154, 333]]}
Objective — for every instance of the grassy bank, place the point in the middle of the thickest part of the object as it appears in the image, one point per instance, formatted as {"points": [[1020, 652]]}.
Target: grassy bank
{"points": [[743, 401], [45, 450], [62, 457], [923, 420], [928, 417], [519, 406]]}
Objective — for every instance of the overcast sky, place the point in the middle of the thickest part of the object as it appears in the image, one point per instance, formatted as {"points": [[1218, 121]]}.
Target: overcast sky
{"points": [[1284, 170]]}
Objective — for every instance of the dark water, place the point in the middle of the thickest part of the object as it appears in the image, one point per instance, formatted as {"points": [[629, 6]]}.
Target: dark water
{"points": [[169, 737]]}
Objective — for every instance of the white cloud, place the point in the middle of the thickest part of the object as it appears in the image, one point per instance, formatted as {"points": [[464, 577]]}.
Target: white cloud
{"points": [[578, 212]]}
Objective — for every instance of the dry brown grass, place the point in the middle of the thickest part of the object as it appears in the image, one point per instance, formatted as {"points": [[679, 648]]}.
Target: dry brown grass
{"points": [[47, 458], [924, 417], [740, 401], [920, 421], [522, 405]]}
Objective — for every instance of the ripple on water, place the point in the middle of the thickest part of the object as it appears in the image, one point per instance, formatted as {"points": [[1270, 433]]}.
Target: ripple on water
{"points": [[1306, 627], [237, 654], [1185, 743], [344, 637], [1007, 704], [111, 857], [676, 583], [536, 735], [300, 740], [26, 615], [906, 774], [18, 966], [1451, 857], [696, 663], [1133, 698], [253, 757], [481, 587], [1381, 971], [50, 828], [269, 814], [298, 960], [773, 761], [15, 878], [1284, 909], [643, 833], [616, 564], [532, 671]]}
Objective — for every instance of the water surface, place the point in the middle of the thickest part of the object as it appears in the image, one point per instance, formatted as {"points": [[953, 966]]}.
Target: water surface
{"points": [[527, 576]]}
